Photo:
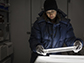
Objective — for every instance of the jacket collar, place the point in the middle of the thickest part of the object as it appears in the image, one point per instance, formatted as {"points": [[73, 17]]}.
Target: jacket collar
{"points": [[63, 20], [61, 13]]}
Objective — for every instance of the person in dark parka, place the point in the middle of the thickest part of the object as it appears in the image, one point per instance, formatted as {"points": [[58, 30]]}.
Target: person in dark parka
{"points": [[52, 30]]}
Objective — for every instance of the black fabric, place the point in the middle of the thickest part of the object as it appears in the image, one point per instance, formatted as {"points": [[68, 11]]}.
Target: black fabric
{"points": [[34, 56], [50, 5]]}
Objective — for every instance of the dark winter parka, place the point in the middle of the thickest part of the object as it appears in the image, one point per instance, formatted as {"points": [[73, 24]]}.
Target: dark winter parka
{"points": [[51, 35]]}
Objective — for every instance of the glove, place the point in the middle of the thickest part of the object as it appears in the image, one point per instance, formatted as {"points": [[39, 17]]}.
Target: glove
{"points": [[39, 49], [78, 45]]}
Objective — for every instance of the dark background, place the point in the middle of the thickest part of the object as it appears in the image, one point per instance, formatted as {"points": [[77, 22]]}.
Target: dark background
{"points": [[24, 12]]}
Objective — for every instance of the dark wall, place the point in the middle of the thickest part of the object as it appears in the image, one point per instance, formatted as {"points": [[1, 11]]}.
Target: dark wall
{"points": [[76, 14]]}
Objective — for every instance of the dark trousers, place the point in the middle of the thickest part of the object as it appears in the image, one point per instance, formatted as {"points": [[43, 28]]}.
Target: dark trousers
{"points": [[33, 57]]}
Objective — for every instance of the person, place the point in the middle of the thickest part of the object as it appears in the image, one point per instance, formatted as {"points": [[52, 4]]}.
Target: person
{"points": [[51, 30]]}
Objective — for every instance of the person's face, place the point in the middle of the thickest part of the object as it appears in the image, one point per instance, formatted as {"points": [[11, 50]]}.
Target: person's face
{"points": [[51, 14]]}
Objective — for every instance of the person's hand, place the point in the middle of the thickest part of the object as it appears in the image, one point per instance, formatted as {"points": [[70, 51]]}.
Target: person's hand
{"points": [[78, 45], [39, 49]]}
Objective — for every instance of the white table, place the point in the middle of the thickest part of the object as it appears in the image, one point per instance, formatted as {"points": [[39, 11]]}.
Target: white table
{"points": [[60, 59]]}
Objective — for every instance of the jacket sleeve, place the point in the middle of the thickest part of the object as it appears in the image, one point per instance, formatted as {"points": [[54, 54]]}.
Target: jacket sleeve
{"points": [[35, 37], [70, 37]]}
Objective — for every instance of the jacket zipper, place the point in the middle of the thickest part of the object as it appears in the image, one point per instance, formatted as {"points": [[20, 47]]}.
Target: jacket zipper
{"points": [[52, 38]]}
